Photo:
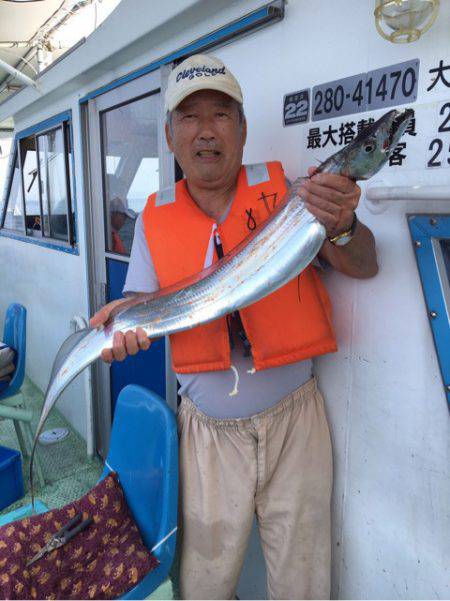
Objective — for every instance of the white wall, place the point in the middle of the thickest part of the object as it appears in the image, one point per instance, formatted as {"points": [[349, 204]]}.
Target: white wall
{"points": [[385, 399], [51, 284], [47, 283]]}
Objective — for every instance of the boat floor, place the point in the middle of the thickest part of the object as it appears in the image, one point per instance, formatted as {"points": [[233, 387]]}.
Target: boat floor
{"points": [[68, 471]]}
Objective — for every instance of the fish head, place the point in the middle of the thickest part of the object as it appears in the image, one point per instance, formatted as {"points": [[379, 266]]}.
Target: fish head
{"points": [[370, 150]]}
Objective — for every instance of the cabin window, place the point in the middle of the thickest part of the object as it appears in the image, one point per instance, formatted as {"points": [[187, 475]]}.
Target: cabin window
{"points": [[130, 167], [30, 185], [39, 198], [54, 190], [13, 218]]}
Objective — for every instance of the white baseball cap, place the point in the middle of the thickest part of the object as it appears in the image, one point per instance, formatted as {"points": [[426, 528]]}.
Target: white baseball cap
{"points": [[200, 72], [117, 205]]}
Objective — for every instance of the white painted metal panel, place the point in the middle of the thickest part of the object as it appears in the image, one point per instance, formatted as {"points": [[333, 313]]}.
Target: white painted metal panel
{"points": [[50, 284], [388, 414]]}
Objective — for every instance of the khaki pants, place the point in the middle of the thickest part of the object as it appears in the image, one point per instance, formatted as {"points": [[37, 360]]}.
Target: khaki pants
{"points": [[277, 464]]}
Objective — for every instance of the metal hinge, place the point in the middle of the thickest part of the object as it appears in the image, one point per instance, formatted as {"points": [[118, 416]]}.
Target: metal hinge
{"points": [[102, 294]]}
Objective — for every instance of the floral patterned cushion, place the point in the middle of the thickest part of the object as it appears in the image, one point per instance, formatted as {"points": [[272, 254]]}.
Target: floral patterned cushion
{"points": [[102, 562], [7, 367], [7, 355]]}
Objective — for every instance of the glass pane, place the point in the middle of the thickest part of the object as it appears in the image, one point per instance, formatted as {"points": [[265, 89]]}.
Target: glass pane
{"points": [[6, 163], [31, 186], [71, 180], [144, 183], [112, 164], [14, 212], [130, 165], [52, 166], [445, 246]]}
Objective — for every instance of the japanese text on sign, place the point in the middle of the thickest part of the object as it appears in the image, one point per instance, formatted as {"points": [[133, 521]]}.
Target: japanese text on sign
{"points": [[440, 75], [345, 132]]}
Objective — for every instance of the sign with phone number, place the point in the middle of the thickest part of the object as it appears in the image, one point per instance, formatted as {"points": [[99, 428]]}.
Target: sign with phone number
{"points": [[381, 88]]}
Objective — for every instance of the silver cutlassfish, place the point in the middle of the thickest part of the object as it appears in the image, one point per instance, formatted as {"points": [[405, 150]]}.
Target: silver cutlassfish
{"points": [[277, 251]]}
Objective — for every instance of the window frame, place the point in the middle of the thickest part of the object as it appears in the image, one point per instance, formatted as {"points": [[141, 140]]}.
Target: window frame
{"points": [[427, 231], [8, 185], [62, 122], [104, 175]]}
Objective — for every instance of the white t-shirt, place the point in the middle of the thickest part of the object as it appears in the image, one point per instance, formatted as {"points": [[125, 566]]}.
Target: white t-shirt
{"points": [[224, 394]]}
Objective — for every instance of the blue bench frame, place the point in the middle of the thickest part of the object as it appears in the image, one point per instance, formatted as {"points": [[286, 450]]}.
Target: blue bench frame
{"points": [[144, 453], [426, 232]]}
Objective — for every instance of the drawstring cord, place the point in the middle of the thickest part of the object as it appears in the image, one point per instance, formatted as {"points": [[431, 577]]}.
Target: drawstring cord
{"points": [[237, 317], [236, 382]]}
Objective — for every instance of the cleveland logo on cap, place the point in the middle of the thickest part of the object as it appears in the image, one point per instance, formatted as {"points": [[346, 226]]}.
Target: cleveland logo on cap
{"points": [[203, 71], [200, 72]]}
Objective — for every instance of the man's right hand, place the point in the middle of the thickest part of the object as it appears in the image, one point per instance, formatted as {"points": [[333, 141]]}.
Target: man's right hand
{"points": [[123, 344]]}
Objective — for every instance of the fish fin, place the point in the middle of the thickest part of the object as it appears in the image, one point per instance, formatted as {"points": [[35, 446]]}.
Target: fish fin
{"points": [[66, 348]]}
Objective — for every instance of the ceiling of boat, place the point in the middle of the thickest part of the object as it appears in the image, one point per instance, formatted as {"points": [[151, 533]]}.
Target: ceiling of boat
{"points": [[34, 34], [19, 22]]}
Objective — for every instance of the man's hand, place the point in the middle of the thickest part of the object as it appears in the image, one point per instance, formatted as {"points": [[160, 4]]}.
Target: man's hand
{"points": [[331, 198], [123, 345]]}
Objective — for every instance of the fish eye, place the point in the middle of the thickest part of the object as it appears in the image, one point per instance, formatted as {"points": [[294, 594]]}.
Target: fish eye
{"points": [[370, 147]]}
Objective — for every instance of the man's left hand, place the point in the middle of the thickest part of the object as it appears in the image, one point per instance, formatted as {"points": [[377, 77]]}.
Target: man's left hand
{"points": [[331, 198]]}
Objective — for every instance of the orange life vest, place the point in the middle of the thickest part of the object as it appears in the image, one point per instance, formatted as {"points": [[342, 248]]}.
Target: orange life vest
{"points": [[117, 246], [291, 324]]}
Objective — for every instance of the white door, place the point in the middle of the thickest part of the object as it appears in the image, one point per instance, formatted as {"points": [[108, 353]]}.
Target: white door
{"points": [[128, 160]]}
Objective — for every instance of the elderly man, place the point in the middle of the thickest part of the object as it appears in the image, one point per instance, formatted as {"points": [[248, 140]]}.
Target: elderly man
{"points": [[265, 448]]}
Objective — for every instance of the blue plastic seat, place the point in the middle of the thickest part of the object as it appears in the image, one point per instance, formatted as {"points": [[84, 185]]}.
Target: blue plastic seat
{"points": [[12, 403], [15, 336], [144, 453]]}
